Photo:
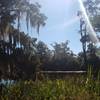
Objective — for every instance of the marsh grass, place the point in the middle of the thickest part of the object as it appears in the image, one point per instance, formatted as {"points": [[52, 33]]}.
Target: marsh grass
{"points": [[80, 88]]}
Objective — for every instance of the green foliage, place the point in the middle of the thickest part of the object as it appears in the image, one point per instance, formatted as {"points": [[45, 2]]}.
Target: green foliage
{"points": [[12, 10], [18, 49], [93, 10], [80, 88]]}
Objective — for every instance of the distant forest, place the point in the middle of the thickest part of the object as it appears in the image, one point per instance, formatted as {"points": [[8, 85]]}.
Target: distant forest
{"points": [[21, 55]]}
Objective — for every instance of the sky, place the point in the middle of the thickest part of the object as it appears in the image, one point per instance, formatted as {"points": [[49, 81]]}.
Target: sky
{"points": [[62, 23]]}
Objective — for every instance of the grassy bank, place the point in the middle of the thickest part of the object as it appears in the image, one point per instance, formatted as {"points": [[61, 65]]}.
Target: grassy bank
{"points": [[73, 89]]}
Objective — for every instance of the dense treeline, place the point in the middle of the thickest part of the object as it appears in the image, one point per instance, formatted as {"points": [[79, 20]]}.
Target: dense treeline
{"points": [[17, 49], [21, 56], [23, 62]]}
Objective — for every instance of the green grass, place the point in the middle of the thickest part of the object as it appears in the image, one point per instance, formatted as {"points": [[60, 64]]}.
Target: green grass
{"points": [[80, 88]]}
